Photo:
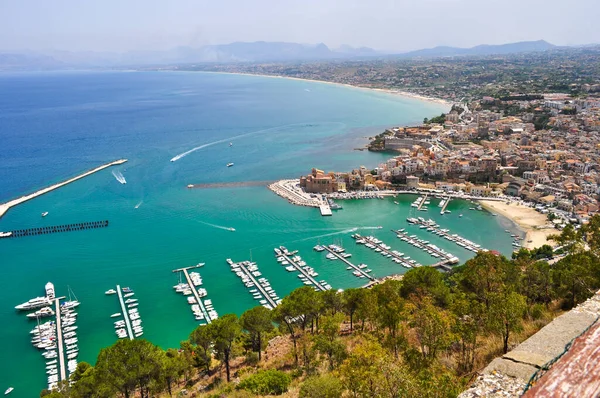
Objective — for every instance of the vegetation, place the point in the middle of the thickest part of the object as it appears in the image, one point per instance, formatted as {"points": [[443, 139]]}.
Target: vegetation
{"points": [[422, 336]]}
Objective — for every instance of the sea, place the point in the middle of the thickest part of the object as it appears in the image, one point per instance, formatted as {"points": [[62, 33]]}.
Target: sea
{"points": [[55, 125]]}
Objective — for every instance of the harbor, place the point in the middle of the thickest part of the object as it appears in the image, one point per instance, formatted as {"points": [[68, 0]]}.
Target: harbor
{"points": [[15, 202], [378, 246], [444, 257], [431, 226], [54, 229], [290, 190], [131, 325], [202, 309], [293, 262], [443, 204], [337, 252], [59, 341], [260, 288]]}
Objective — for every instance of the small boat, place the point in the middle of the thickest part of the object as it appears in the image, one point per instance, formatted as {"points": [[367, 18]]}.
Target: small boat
{"points": [[110, 291], [229, 164], [127, 290], [231, 229], [44, 214], [460, 215], [116, 314], [128, 295], [231, 144], [8, 390]]}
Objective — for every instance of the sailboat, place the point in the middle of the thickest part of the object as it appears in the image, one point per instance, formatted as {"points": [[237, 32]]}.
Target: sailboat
{"points": [[70, 303]]}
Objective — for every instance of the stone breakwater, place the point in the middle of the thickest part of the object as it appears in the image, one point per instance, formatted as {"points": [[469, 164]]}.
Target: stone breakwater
{"points": [[290, 190]]}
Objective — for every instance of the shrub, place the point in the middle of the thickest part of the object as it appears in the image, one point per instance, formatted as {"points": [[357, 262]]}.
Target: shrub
{"points": [[321, 387], [266, 382]]}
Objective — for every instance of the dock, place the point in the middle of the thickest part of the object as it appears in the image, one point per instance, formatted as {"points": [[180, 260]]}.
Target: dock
{"points": [[425, 246], [430, 226], [195, 293], [385, 250], [288, 257], [325, 209], [125, 313], [54, 229], [348, 263], [422, 201], [447, 200], [4, 207], [243, 267], [59, 340]]}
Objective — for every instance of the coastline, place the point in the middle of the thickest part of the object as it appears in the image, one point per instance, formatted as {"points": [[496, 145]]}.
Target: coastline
{"points": [[381, 90], [534, 224]]}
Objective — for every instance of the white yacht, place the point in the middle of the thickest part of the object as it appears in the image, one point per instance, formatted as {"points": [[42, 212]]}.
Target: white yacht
{"points": [[44, 214], [8, 390], [34, 303], [46, 311], [50, 290], [110, 291], [229, 164]]}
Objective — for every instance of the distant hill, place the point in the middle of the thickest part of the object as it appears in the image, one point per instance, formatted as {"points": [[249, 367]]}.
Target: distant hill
{"points": [[484, 49], [259, 51]]}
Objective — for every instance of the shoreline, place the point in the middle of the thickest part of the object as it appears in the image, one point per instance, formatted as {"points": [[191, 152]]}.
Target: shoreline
{"points": [[400, 93], [534, 224]]}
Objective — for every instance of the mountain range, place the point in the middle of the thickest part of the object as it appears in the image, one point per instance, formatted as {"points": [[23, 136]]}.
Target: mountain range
{"points": [[239, 52]]}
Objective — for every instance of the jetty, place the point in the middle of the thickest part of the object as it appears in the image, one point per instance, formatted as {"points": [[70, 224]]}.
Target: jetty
{"points": [[289, 258], [385, 250], [19, 233], [325, 209], [4, 207], [446, 201], [125, 313], [431, 226], [194, 290], [429, 248], [290, 190], [59, 340], [422, 202], [248, 273], [334, 250]]}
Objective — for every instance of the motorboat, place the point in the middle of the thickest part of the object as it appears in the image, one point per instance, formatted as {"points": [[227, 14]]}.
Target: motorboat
{"points": [[127, 290], [34, 303], [128, 294], [116, 314], [49, 290], [43, 312], [110, 291], [44, 214], [229, 164]]}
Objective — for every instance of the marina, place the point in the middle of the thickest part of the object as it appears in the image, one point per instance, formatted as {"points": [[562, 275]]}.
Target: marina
{"points": [[444, 257], [422, 202], [202, 309], [385, 250], [444, 203], [360, 271], [260, 288], [307, 274], [126, 318], [54, 229], [59, 341], [431, 226], [6, 206]]}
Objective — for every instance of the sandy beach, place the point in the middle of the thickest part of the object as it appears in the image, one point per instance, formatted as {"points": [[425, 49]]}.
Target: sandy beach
{"points": [[381, 90], [536, 225]]}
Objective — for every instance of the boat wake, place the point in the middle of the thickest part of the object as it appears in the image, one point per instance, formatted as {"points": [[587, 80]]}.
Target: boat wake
{"points": [[229, 139], [217, 226], [119, 176], [139, 204], [369, 227], [345, 231]]}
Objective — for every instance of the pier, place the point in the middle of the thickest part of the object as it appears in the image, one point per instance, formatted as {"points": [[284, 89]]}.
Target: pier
{"points": [[125, 313], [434, 251], [430, 226], [325, 209], [445, 205], [243, 267], [380, 247], [195, 291], [422, 201], [356, 268], [285, 254], [59, 340], [6, 206], [54, 229]]}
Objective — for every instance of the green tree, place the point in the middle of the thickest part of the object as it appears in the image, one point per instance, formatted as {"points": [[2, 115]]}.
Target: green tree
{"points": [[328, 342], [129, 364], [505, 314], [288, 314], [576, 277], [266, 382], [332, 301], [467, 327], [224, 331], [202, 338], [426, 281], [432, 327], [390, 311], [351, 299], [361, 372], [536, 282], [257, 321], [324, 386], [173, 367]]}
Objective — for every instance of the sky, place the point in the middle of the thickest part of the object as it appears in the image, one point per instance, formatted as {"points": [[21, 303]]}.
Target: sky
{"points": [[387, 25]]}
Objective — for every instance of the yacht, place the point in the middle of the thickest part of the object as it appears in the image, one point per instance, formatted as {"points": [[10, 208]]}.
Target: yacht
{"points": [[116, 314], [110, 291], [50, 290], [8, 390], [127, 290], [46, 311], [231, 229], [229, 164], [34, 303], [44, 214]]}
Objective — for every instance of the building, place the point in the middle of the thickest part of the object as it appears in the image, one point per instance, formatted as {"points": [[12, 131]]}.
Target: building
{"points": [[412, 182]]}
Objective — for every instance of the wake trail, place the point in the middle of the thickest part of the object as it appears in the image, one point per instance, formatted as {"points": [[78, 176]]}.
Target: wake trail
{"points": [[345, 231], [139, 204], [235, 137], [119, 176], [216, 226]]}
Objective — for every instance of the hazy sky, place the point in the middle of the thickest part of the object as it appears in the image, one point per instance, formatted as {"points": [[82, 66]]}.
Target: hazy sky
{"points": [[399, 25]]}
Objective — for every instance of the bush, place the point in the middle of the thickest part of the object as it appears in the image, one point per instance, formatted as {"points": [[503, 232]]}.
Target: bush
{"points": [[251, 358], [537, 311], [321, 387], [266, 382]]}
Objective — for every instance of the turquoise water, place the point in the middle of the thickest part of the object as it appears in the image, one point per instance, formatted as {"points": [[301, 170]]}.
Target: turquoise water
{"points": [[54, 126]]}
